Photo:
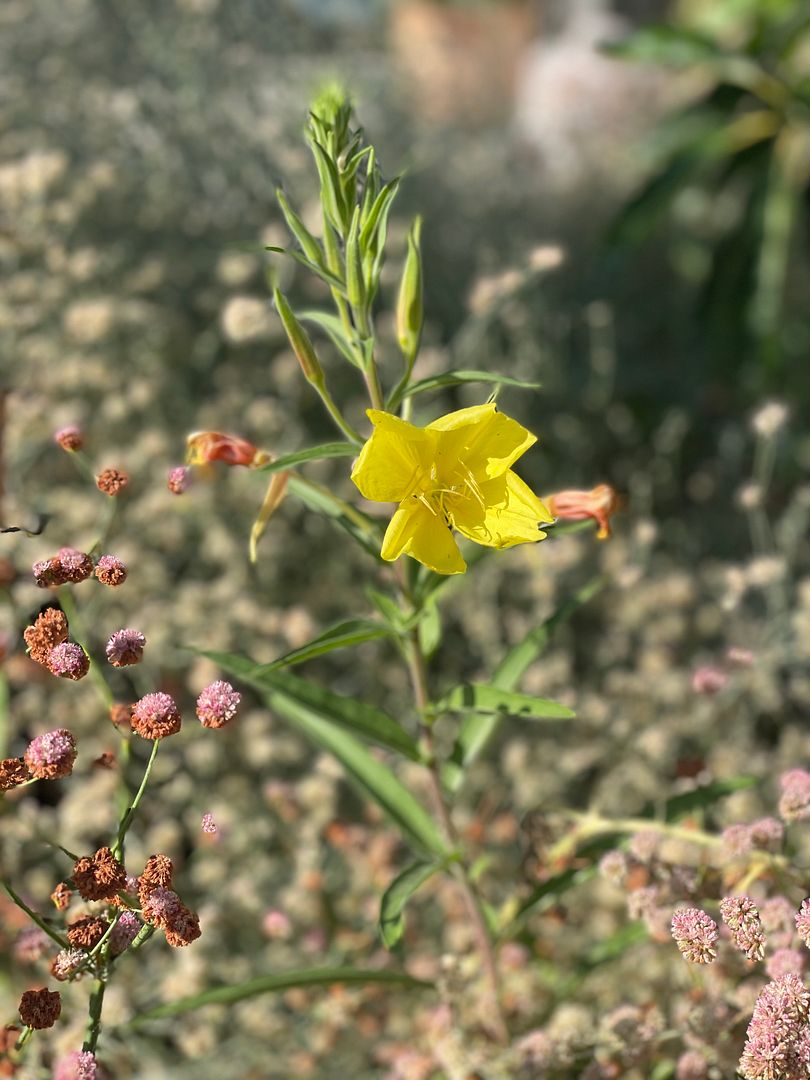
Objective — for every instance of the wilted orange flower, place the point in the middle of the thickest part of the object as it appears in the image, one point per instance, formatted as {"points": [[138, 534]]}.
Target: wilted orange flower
{"points": [[206, 446], [599, 503]]}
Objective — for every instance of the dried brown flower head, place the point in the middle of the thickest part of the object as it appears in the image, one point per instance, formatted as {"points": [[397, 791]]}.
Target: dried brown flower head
{"points": [[120, 714], [157, 874], [99, 876], [76, 565], [61, 895], [13, 772], [40, 1008], [183, 927], [112, 481], [49, 573], [86, 932], [49, 630]]}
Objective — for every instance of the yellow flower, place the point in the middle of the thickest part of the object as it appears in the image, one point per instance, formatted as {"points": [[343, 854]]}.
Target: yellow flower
{"points": [[454, 474]]}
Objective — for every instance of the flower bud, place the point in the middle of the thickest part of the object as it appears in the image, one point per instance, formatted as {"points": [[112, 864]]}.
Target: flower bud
{"points": [[299, 341], [599, 503], [410, 311], [203, 447]]}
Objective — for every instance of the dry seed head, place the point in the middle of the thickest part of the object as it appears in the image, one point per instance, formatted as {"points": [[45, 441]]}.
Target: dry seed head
{"points": [[99, 876], [61, 895], [86, 932], [40, 1008], [49, 629], [112, 481], [13, 772]]}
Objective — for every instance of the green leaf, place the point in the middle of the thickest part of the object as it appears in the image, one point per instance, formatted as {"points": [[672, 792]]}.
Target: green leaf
{"points": [[372, 778], [333, 328], [455, 378], [707, 795], [378, 215], [309, 245], [485, 698], [362, 528], [548, 893], [665, 44], [342, 636], [365, 720], [478, 728], [320, 271], [331, 191], [265, 984], [430, 628], [312, 453], [397, 895]]}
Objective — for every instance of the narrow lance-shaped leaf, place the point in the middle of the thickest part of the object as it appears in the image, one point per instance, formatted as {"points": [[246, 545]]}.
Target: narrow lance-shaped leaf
{"points": [[397, 895], [311, 453], [331, 192], [266, 984], [491, 699], [309, 245], [456, 378], [333, 327], [342, 636], [371, 777]]}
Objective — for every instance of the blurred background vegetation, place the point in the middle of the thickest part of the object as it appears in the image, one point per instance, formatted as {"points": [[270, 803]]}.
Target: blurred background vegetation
{"points": [[625, 224]]}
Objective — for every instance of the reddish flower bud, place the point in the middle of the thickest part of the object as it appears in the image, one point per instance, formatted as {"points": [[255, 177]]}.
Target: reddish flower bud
{"points": [[599, 503], [206, 446]]}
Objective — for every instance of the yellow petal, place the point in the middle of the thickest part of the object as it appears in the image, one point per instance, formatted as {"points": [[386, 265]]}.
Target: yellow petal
{"points": [[511, 513], [480, 440], [416, 531], [393, 461]]}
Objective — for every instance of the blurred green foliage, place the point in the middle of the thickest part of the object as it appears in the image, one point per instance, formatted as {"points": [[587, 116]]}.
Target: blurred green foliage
{"points": [[730, 192]]}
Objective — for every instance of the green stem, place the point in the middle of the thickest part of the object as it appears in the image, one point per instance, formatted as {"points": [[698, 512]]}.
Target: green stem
{"points": [[78, 634], [419, 682], [126, 820], [34, 917], [25, 1035], [94, 1016], [351, 433]]}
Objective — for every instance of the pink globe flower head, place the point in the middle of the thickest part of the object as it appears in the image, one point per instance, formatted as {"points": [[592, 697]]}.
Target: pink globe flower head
{"points": [[217, 704], [76, 565], [69, 661], [125, 647], [708, 680], [124, 932], [51, 756], [155, 716], [111, 571], [208, 824], [178, 479], [70, 438], [695, 934], [80, 1065]]}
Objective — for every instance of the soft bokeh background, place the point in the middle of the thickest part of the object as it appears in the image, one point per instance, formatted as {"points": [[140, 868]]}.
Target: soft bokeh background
{"points": [[141, 145]]}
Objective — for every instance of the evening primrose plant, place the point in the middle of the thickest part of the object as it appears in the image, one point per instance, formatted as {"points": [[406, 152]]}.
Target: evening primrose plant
{"points": [[455, 496]]}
